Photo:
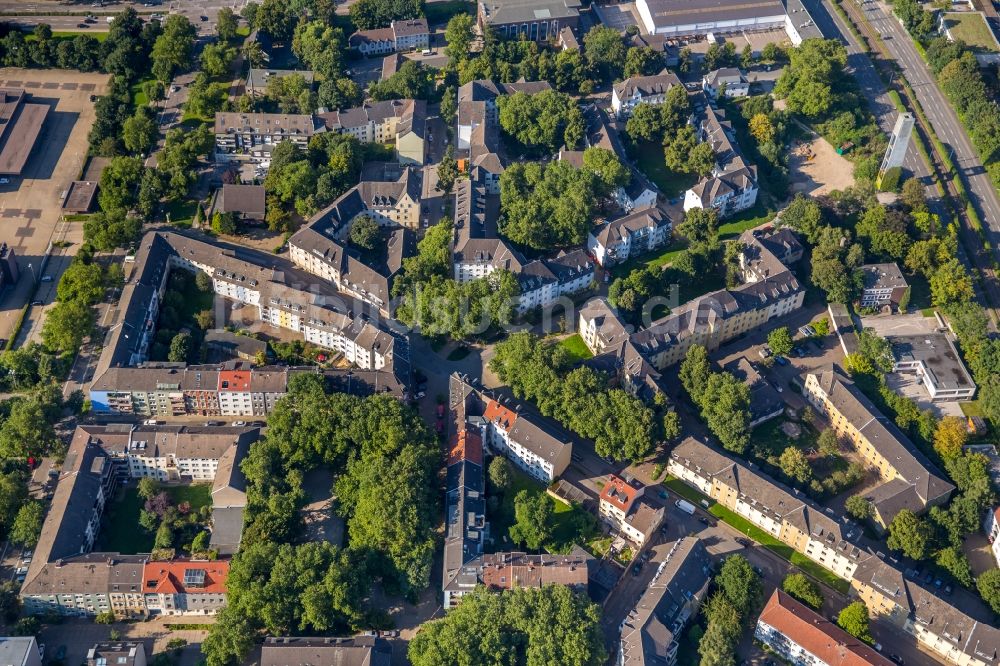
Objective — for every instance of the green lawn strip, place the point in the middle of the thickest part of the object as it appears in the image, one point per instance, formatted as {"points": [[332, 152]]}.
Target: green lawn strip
{"points": [[197, 494], [668, 254], [684, 490], [650, 160], [576, 348], [181, 212], [121, 533], [139, 97], [971, 28], [972, 408], [243, 31], [748, 219]]}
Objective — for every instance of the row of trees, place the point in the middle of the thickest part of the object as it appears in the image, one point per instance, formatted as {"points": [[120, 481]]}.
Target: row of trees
{"points": [[726, 611], [384, 460], [621, 425], [723, 399]]}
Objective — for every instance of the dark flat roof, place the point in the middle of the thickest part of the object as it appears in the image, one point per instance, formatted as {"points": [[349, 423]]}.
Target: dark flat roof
{"points": [[703, 11], [19, 139], [80, 196]]}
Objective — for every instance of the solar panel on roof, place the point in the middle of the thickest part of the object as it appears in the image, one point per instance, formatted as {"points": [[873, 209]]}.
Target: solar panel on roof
{"points": [[194, 578]]}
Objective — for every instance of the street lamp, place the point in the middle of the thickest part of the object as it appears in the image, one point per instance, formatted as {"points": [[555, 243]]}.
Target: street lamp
{"points": [[34, 280]]}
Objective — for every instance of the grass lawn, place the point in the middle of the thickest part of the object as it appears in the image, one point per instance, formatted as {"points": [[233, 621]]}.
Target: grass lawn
{"points": [[243, 31], [197, 494], [649, 158], [748, 219], [667, 255], [972, 408], [771, 436], [571, 524], [783, 550], [920, 294], [181, 213], [576, 348], [121, 532], [685, 491], [139, 98], [440, 12], [971, 28]]}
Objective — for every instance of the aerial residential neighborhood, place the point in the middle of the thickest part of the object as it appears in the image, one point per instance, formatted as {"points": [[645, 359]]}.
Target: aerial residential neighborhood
{"points": [[500, 332]]}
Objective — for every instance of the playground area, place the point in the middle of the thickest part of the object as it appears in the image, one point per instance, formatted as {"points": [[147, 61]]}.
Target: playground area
{"points": [[815, 168]]}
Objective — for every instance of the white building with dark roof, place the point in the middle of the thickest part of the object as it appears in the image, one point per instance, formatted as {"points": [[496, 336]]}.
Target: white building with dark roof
{"points": [[732, 185], [933, 358], [729, 80], [401, 35], [616, 241], [628, 94], [883, 286]]}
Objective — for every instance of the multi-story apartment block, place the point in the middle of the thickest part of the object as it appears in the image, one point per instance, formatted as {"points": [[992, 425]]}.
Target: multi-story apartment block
{"points": [[402, 122], [991, 526], [727, 80], [839, 547], [124, 653], [20, 651], [355, 651], [951, 634], [786, 515], [910, 480], [544, 281], [535, 20], [616, 241], [732, 185], [884, 286], [65, 575], [465, 566], [623, 507], [801, 636], [710, 320], [403, 35], [282, 297], [534, 445], [185, 587], [650, 633], [933, 358], [637, 90], [250, 137]]}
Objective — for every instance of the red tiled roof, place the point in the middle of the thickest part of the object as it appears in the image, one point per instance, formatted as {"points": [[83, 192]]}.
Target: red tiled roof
{"points": [[234, 380], [813, 632], [618, 493], [497, 413], [168, 577], [465, 445]]}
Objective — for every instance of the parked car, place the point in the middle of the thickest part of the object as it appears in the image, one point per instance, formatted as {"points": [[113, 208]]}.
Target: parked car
{"points": [[896, 658], [781, 360], [637, 568], [37, 303], [440, 411], [46, 278], [765, 351]]}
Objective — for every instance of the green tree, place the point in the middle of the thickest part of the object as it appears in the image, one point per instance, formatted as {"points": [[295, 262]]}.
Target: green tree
{"points": [[217, 58], [678, 149], [701, 160], [140, 131], [695, 372], [805, 216], [200, 544], [950, 436], [795, 465], [726, 410], [854, 620], [909, 534], [954, 561], [780, 341], [28, 524], [533, 518], [605, 51], [66, 325], [642, 61], [542, 122], [645, 122], [988, 584], [226, 24], [81, 282], [369, 14], [180, 348], [951, 284], [740, 584], [224, 223], [859, 507], [500, 473], [447, 170], [148, 487], [546, 205], [828, 443], [365, 232], [803, 589], [610, 172], [172, 49], [458, 36]]}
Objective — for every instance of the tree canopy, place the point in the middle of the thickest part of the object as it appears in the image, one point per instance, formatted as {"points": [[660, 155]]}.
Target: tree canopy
{"points": [[546, 205]]}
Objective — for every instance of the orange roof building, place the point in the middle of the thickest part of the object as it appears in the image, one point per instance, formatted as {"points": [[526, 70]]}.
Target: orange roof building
{"points": [[499, 415], [618, 494], [802, 636], [179, 587]]}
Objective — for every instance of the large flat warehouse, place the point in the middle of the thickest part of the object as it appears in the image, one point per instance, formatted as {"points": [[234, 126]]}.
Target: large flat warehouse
{"points": [[701, 17], [20, 125]]}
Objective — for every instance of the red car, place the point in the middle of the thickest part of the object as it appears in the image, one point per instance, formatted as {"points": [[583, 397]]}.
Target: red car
{"points": [[440, 411], [440, 426]]}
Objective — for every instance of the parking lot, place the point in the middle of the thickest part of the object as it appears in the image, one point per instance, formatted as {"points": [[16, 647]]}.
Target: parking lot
{"points": [[30, 205]]}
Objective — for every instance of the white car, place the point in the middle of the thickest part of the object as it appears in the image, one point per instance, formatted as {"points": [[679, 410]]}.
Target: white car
{"points": [[46, 278]]}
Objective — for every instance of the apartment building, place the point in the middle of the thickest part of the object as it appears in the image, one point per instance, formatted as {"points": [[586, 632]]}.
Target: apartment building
{"points": [[840, 548], [727, 80], [910, 480], [953, 636], [650, 633], [250, 137], [534, 20], [20, 651], [185, 587], [787, 515], [623, 506], [991, 526], [280, 294], [544, 281], [801, 636], [354, 651], [401, 122], [636, 90], [402, 35], [536, 446], [933, 358], [884, 286], [772, 291], [642, 231], [118, 653], [732, 185], [65, 575]]}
